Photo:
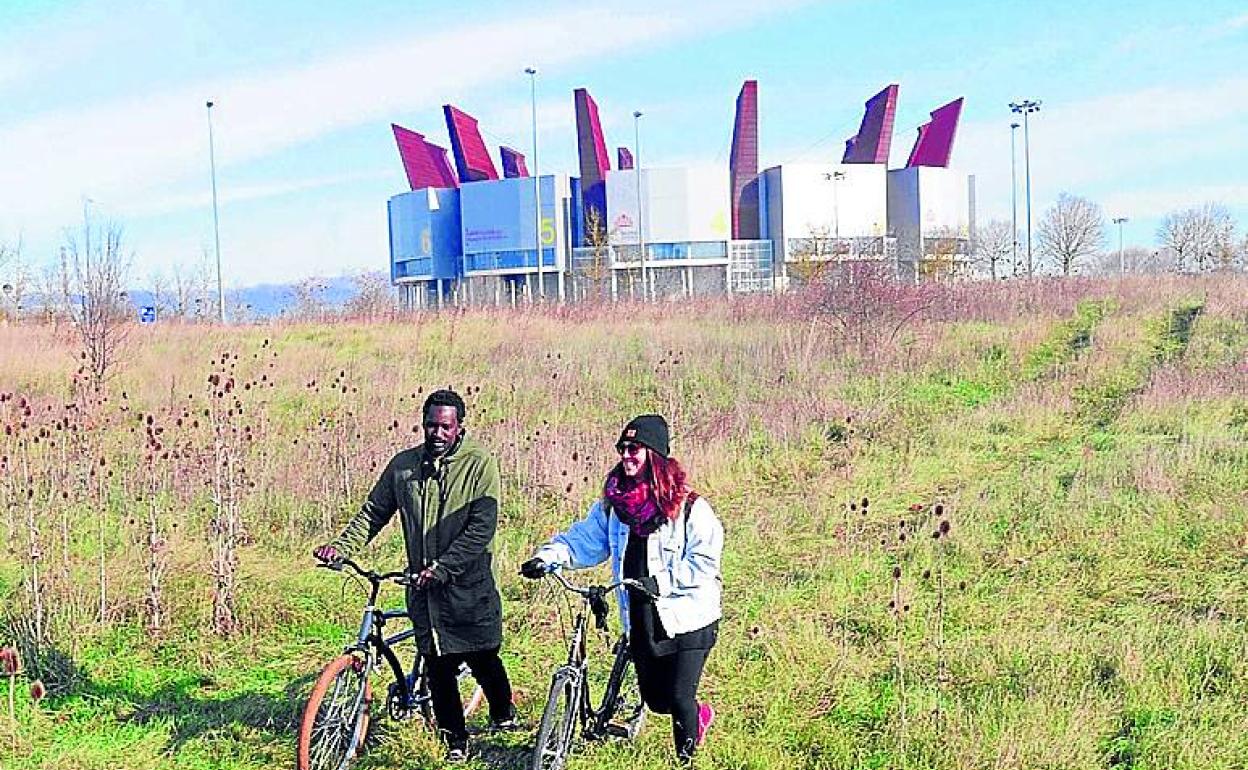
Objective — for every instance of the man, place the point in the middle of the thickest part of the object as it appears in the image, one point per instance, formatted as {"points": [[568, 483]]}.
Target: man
{"points": [[446, 491]]}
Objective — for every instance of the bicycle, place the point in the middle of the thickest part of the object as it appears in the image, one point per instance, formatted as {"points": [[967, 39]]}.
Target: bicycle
{"points": [[336, 717], [569, 705]]}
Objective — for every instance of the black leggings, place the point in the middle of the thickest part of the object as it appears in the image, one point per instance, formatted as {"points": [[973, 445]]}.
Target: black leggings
{"points": [[448, 709], [669, 685]]}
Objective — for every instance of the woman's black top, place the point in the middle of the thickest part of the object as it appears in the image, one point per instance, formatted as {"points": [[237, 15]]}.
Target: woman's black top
{"points": [[646, 634]]}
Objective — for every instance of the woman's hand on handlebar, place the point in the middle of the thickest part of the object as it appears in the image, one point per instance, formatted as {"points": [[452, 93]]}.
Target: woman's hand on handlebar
{"points": [[646, 586], [534, 568]]}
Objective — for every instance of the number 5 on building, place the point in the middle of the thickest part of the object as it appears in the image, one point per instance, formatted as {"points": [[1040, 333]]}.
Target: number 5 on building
{"points": [[548, 231]]}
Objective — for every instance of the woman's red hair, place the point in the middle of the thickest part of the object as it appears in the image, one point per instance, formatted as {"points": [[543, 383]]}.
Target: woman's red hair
{"points": [[667, 479]]}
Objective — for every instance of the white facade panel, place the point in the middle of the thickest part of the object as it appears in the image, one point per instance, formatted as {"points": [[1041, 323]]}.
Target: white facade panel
{"points": [[679, 205], [823, 200], [834, 200], [943, 196], [931, 201]]}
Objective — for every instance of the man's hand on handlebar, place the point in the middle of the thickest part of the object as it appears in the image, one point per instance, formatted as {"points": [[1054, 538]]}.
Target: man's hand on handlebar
{"points": [[534, 568], [425, 578], [327, 554]]}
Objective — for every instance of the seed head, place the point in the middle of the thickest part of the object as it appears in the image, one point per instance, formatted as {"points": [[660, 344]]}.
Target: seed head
{"points": [[10, 661]]}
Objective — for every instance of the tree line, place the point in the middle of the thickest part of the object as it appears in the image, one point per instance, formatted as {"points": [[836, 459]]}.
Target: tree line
{"points": [[1073, 236]]}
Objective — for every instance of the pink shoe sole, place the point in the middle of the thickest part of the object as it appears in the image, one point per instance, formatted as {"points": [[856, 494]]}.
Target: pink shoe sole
{"points": [[706, 715]]}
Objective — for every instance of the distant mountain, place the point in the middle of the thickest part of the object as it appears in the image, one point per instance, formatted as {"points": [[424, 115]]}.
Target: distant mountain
{"points": [[269, 300]]}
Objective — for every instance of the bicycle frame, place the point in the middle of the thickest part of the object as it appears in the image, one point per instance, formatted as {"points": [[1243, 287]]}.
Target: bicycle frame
{"points": [[370, 640], [593, 720]]}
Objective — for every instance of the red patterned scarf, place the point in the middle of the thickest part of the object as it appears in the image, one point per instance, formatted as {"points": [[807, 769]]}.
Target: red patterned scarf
{"points": [[632, 499]]}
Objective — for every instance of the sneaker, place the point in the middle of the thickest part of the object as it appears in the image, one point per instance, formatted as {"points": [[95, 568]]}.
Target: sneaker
{"points": [[508, 725], [457, 752], [706, 715]]}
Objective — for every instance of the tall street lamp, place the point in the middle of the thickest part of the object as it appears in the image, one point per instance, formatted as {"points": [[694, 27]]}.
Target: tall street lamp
{"points": [[1122, 265], [216, 224], [1013, 197], [641, 238], [537, 183], [1025, 108]]}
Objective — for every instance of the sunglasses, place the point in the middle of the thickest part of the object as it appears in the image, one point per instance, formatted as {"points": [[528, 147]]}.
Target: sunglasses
{"points": [[629, 448]]}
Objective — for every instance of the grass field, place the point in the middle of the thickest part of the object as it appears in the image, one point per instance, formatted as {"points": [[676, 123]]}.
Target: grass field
{"points": [[1085, 441]]}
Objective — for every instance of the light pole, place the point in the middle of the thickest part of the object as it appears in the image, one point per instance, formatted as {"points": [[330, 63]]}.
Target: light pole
{"points": [[537, 183], [216, 224], [1025, 108], [1122, 265], [1013, 197], [641, 238]]}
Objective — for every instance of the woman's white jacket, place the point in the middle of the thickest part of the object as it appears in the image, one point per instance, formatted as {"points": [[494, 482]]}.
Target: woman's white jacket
{"points": [[683, 557]]}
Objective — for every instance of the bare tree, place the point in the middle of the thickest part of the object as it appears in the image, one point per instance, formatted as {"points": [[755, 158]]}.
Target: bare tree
{"points": [[96, 275], [994, 244], [1135, 259], [162, 300], [14, 278], [592, 273], [374, 296], [865, 304], [944, 253], [1200, 237], [189, 295], [809, 258], [1073, 229], [204, 295], [308, 298]]}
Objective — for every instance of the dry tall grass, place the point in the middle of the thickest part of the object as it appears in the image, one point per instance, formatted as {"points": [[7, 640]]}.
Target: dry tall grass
{"points": [[1083, 607]]}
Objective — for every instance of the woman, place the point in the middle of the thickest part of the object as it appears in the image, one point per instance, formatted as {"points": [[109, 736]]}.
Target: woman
{"points": [[659, 532]]}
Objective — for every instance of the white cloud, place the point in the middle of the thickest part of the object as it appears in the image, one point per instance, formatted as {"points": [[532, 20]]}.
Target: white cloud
{"points": [[144, 156], [1111, 142], [12, 69], [1236, 23], [128, 150], [172, 201], [1157, 203]]}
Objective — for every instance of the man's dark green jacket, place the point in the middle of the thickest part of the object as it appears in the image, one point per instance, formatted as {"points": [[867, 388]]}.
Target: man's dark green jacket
{"points": [[448, 508]]}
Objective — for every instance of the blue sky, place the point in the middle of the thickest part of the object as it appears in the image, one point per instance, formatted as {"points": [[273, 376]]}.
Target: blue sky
{"points": [[1145, 105]]}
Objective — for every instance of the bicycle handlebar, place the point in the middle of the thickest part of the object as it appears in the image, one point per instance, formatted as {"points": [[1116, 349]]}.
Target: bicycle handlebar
{"points": [[589, 591], [399, 578]]}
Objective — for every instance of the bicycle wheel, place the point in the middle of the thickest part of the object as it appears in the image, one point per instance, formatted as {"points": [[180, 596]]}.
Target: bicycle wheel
{"points": [[558, 725], [623, 712], [335, 719]]}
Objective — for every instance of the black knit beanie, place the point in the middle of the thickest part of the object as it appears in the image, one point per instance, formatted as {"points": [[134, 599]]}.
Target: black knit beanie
{"points": [[649, 430]]}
